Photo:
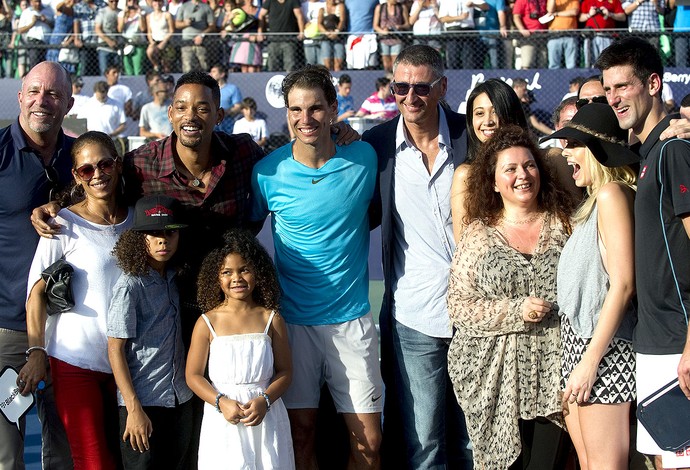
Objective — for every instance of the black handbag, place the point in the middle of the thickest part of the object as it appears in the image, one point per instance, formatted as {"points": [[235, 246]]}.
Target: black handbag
{"points": [[665, 415], [58, 279]]}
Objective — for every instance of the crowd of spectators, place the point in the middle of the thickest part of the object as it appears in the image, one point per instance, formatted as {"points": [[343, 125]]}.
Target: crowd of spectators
{"points": [[86, 36]]}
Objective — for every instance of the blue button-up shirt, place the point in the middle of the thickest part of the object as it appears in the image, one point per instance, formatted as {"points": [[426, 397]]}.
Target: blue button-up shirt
{"points": [[145, 310], [423, 241]]}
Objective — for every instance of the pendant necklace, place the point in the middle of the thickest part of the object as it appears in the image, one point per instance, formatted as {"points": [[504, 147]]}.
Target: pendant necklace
{"points": [[196, 182], [110, 225]]}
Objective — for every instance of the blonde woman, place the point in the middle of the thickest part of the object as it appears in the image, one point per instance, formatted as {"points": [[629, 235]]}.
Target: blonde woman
{"points": [[596, 282]]}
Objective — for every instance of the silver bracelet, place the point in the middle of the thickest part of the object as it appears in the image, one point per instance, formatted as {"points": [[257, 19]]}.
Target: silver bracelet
{"points": [[28, 352], [268, 400]]}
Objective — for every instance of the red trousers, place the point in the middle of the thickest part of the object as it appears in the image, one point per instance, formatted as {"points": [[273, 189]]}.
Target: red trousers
{"points": [[87, 405]]}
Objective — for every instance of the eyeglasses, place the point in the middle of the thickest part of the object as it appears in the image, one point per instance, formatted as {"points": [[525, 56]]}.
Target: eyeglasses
{"points": [[161, 233], [595, 99], [86, 172], [52, 175], [420, 89]]}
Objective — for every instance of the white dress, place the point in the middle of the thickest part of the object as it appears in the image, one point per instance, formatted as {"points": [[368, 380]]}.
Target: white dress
{"points": [[241, 366]]}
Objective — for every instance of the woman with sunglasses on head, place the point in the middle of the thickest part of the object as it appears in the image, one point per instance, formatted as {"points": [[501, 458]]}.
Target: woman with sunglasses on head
{"points": [[75, 341], [504, 359], [596, 282], [491, 104]]}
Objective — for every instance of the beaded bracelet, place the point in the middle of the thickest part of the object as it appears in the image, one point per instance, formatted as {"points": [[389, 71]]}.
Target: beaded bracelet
{"points": [[268, 400], [218, 397]]}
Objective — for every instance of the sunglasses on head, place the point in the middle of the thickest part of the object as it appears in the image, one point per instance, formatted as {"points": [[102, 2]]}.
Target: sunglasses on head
{"points": [[595, 99], [420, 89], [86, 172], [161, 233]]}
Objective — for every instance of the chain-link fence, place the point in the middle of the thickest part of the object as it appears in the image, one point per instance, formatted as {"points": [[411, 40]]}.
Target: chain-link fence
{"points": [[282, 52]]}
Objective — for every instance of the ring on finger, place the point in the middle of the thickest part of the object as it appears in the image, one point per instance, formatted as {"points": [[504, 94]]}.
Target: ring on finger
{"points": [[533, 315]]}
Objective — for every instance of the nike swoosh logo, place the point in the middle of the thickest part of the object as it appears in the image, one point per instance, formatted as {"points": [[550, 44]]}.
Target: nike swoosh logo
{"points": [[314, 181], [375, 399]]}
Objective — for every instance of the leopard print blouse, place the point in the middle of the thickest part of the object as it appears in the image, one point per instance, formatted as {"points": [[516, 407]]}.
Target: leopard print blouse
{"points": [[503, 368]]}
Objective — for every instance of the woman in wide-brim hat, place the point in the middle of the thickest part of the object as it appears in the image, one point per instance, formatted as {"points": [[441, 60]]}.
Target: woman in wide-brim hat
{"points": [[596, 283]]}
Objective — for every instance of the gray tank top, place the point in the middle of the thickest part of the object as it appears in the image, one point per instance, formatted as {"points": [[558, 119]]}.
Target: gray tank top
{"points": [[583, 282]]}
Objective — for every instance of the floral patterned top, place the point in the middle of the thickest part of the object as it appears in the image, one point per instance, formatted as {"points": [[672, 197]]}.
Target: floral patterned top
{"points": [[503, 368]]}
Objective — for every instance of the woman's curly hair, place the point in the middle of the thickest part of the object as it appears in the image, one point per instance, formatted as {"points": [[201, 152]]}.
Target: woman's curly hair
{"points": [[484, 203], [241, 242]]}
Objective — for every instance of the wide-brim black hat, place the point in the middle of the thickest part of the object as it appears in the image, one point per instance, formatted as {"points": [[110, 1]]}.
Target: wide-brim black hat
{"points": [[159, 212], [596, 126]]}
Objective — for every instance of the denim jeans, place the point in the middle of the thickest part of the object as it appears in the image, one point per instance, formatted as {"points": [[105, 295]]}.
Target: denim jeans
{"points": [[107, 58], [55, 449], [560, 50], [593, 47], [435, 434]]}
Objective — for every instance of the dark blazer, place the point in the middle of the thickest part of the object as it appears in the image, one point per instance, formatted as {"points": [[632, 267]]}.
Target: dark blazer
{"points": [[382, 138]]}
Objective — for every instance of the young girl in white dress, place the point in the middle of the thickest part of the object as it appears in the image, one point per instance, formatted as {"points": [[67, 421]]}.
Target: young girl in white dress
{"points": [[244, 340]]}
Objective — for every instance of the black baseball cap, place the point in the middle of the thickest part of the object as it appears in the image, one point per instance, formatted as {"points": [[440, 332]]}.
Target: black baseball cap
{"points": [[159, 212]]}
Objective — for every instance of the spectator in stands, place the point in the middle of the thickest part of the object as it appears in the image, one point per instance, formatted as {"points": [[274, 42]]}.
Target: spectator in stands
{"points": [[160, 28], [681, 32], [685, 107], [458, 15], [80, 101], [17, 40], [381, 104], [103, 113], [599, 15], [64, 32], [153, 120], [120, 93], [526, 14], [286, 18], [195, 19], [131, 24], [346, 103], [643, 17], [333, 23], [246, 50], [106, 29], [5, 38], [36, 25], [520, 87], [312, 30], [425, 21], [361, 15], [140, 99], [173, 6], [230, 98], [562, 45], [85, 12], [250, 124], [493, 19], [390, 17]]}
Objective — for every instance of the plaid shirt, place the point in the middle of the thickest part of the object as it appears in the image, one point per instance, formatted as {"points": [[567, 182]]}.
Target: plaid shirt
{"points": [[225, 204], [645, 17], [87, 18]]}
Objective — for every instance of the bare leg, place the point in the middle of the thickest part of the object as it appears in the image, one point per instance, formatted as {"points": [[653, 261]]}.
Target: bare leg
{"points": [[572, 421], [605, 432], [387, 63], [303, 426], [328, 63], [365, 440], [338, 64]]}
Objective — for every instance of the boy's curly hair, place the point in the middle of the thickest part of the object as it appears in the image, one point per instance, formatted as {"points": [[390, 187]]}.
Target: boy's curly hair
{"points": [[241, 242], [132, 252]]}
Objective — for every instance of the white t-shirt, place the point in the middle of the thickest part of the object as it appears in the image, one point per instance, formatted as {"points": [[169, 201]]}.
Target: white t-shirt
{"points": [[104, 117], [154, 118], [40, 30], [255, 128], [78, 336]]}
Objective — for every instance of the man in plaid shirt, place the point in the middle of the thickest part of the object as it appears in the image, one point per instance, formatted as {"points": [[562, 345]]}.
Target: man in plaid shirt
{"points": [[85, 11]]}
